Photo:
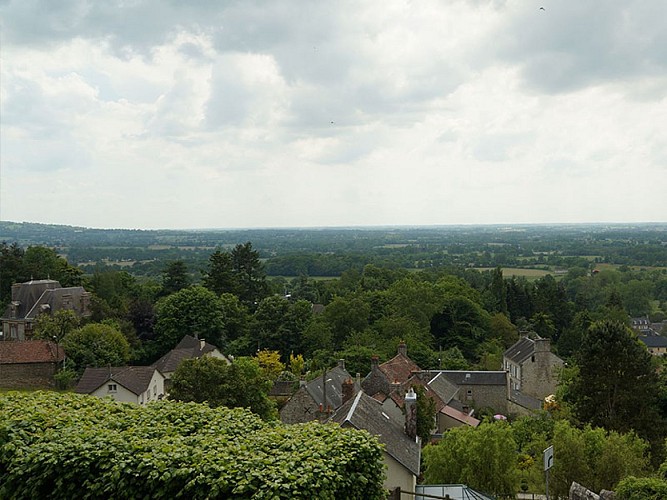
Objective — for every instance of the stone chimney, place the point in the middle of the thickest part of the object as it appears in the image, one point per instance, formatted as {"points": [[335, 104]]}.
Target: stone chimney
{"points": [[542, 345], [341, 364], [375, 362], [411, 414], [202, 344], [402, 349], [348, 389]]}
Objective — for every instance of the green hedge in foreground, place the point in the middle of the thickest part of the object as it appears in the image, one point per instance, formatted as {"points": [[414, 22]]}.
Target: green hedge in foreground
{"points": [[55, 445]]}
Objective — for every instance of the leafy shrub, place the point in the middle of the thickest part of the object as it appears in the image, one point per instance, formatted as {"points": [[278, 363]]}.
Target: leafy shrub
{"points": [[645, 488], [63, 445]]}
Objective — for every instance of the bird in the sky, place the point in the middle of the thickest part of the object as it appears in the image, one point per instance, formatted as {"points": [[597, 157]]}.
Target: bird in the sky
{"points": [[542, 8]]}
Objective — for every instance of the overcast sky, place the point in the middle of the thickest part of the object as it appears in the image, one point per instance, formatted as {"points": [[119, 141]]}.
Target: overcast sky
{"points": [[221, 114]]}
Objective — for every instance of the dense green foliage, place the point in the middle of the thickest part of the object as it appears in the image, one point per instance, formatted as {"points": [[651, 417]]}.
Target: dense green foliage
{"points": [[213, 381], [495, 457], [96, 345], [645, 488], [195, 311], [617, 387], [72, 446], [483, 458]]}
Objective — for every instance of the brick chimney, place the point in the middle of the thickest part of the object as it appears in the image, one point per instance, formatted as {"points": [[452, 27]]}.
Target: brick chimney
{"points": [[402, 349], [348, 389], [375, 362], [411, 414]]}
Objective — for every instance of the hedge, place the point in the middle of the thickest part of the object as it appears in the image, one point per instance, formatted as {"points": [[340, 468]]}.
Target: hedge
{"points": [[63, 445]]}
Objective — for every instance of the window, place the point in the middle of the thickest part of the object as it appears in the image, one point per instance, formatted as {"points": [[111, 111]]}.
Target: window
{"points": [[155, 390], [113, 388]]}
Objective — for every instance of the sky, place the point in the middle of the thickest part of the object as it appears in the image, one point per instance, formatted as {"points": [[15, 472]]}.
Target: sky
{"points": [[165, 114]]}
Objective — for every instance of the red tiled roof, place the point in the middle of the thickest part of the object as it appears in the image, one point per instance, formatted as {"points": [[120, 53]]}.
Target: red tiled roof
{"points": [[460, 416], [399, 369], [30, 351]]}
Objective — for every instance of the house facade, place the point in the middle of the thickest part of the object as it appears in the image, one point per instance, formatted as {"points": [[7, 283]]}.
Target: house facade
{"points": [[36, 297], [128, 384], [188, 348], [532, 368], [656, 344]]}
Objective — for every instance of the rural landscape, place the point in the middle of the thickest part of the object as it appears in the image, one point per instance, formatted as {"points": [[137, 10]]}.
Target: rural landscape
{"points": [[378, 250], [270, 320]]}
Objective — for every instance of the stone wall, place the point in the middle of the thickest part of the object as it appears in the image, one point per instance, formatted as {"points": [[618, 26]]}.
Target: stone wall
{"points": [[27, 376]]}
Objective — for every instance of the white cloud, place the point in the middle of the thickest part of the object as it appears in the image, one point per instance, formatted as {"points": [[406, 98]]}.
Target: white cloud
{"points": [[153, 114]]}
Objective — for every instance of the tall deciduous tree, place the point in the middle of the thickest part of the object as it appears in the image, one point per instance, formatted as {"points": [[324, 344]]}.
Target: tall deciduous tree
{"points": [[96, 345], [484, 458], [193, 311], [212, 381], [55, 326]]}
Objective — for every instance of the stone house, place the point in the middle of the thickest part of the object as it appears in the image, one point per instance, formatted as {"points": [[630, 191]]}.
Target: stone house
{"points": [[188, 348], [36, 297], [128, 384], [402, 447], [386, 377], [319, 398], [532, 368], [656, 344], [29, 364], [478, 389]]}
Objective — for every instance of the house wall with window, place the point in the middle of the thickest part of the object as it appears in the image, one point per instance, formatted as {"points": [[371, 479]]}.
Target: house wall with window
{"points": [[480, 396], [116, 391]]}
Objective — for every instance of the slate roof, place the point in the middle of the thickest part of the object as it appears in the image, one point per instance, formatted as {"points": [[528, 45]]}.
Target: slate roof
{"points": [[334, 382], [30, 351], [525, 400], [365, 413], [33, 297], [189, 347], [27, 294], [443, 387], [460, 416], [136, 379], [52, 299], [522, 350], [472, 377], [653, 340]]}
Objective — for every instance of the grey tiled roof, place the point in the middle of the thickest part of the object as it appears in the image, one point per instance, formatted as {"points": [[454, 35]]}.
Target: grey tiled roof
{"points": [[134, 378], [443, 387], [653, 340], [334, 382], [365, 413], [525, 400], [521, 350], [189, 347], [472, 377]]}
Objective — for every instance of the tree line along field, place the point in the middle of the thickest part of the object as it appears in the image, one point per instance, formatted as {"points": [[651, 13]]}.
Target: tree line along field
{"points": [[330, 251]]}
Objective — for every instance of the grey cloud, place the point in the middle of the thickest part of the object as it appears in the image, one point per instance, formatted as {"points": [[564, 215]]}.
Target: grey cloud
{"points": [[573, 43]]}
